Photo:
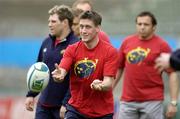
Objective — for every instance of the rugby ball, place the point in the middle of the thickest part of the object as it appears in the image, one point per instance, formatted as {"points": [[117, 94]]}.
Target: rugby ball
{"points": [[37, 77]]}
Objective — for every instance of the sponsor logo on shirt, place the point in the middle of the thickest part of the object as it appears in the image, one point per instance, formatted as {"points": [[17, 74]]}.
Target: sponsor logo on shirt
{"points": [[84, 68], [136, 56]]}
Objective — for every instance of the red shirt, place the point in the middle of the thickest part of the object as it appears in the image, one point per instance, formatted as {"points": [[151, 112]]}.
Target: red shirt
{"points": [[104, 36], [86, 65], [142, 82]]}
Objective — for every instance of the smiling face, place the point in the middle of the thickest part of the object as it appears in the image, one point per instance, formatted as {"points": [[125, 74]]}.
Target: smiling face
{"points": [[55, 25], [88, 30], [144, 26]]}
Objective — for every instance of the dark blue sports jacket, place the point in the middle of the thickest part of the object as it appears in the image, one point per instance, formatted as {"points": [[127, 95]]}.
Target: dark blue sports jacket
{"points": [[55, 94], [175, 60]]}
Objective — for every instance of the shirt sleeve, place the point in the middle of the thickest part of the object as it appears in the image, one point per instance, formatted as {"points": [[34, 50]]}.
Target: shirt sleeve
{"points": [[67, 59], [175, 60], [111, 63], [165, 48], [66, 98], [39, 59], [104, 36], [31, 94], [40, 54]]}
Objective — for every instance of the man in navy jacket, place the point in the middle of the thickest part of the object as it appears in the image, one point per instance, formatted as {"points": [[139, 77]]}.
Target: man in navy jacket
{"points": [[55, 96]]}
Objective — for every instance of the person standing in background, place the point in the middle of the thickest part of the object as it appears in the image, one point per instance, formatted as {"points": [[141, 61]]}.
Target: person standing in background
{"points": [[86, 5], [92, 72], [75, 25], [143, 89], [53, 99]]}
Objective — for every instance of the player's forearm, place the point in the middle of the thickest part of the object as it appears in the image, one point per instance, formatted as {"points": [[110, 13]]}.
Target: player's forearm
{"points": [[107, 83], [173, 86], [118, 77]]}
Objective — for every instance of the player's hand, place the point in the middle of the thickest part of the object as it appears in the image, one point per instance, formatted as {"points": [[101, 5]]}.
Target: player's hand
{"points": [[97, 85], [56, 74], [171, 111], [162, 62], [29, 103], [62, 112]]}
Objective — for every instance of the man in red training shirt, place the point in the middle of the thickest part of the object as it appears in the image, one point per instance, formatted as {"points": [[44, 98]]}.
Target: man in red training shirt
{"points": [[143, 89], [93, 65]]}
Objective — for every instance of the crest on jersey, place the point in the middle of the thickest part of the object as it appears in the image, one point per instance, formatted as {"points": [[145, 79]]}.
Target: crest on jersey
{"points": [[84, 68], [137, 55]]}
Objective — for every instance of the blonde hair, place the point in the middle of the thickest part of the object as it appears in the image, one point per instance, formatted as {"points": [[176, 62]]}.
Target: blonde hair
{"points": [[77, 12], [89, 2]]}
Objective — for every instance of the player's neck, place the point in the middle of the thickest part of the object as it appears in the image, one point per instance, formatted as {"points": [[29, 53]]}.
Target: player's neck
{"points": [[64, 34], [93, 43], [147, 37]]}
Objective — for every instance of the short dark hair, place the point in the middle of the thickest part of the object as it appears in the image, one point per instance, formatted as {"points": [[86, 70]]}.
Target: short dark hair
{"points": [[92, 15], [63, 12], [147, 13]]}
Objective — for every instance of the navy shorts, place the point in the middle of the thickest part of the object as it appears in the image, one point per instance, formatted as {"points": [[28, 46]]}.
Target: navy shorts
{"points": [[72, 113], [43, 112]]}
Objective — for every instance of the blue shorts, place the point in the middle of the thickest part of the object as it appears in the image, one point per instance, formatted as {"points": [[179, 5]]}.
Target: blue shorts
{"points": [[43, 112], [72, 113]]}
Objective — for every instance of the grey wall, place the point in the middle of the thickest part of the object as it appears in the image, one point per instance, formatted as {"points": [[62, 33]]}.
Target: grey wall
{"points": [[29, 17]]}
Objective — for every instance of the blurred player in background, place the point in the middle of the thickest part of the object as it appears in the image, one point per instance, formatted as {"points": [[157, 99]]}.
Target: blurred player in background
{"points": [[86, 5], [55, 96], [166, 60], [75, 25], [92, 72], [143, 89]]}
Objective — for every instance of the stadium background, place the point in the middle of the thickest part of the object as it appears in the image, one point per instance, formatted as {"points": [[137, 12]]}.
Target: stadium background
{"points": [[23, 25]]}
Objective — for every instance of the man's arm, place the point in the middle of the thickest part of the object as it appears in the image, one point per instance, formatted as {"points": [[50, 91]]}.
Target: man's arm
{"points": [[173, 85], [30, 100], [166, 60], [174, 91], [104, 85], [118, 77], [162, 62]]}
